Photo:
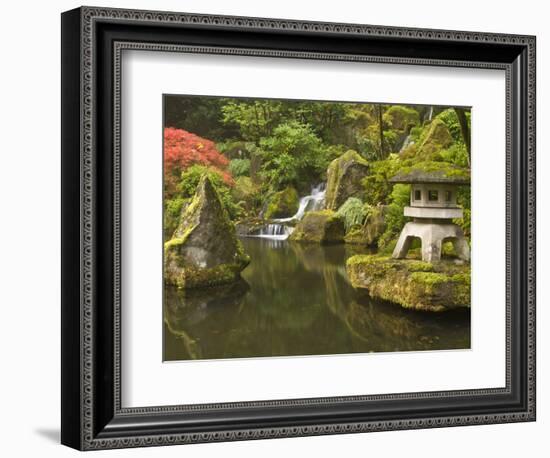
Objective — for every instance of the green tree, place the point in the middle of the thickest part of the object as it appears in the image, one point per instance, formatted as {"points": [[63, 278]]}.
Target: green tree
{"points": [[292, 155], [254, 118], [200, 115]]}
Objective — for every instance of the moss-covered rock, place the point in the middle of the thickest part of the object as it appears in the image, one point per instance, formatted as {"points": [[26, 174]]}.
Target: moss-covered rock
{"points": [[411, 283], [323, 226], [401, 118], [431, 172], [373, 228], [438, 138], [282, 204], [435, 138], [398, 122], [344, 177], [204, 250]]}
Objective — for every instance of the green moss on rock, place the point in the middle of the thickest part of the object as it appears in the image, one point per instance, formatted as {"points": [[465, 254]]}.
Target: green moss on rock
{"points": [[323, 226], [412, 284], [437, 138], [431, 172], [401, 118], [282, 204], [344, 176], [172, 243], [420, 266], [204, 250], [434, 138]]}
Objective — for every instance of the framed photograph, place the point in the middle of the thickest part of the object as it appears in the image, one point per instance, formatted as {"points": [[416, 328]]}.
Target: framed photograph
{"points": [[276, 228]]}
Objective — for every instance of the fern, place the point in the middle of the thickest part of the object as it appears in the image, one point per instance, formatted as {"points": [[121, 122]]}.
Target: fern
{"points": [[353, 212]]}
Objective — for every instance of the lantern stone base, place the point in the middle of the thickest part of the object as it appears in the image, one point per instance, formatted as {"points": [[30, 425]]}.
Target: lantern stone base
{"points": [[432, 236]]}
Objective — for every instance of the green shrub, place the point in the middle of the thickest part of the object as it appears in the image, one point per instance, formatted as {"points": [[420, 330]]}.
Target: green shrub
{"points": [[463, 198], [244, 189], [415, 133], [450, 119], [239, 167], [376, 184], [456, 154], [367, 147], [292, 155], [395, 220], [391, 138], [353, 212]]}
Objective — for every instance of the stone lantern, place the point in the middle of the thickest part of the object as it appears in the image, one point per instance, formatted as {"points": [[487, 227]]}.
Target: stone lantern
{"points": [[432, 207]]}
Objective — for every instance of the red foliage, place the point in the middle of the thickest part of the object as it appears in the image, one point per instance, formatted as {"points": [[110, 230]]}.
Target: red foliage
{"points": [[183, 149]]}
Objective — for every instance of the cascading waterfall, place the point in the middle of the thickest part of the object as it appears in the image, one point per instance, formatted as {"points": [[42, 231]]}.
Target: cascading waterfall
{"points": [[278, 230], [430, 113], [275, 231], [312, 202]]}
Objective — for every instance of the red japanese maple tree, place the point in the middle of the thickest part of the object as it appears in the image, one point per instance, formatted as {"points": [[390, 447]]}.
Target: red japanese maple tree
{"points": [[183, 149]]}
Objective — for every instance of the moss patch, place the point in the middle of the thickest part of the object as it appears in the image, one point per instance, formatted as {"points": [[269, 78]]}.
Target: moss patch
{"points": [[420, 266], [431, 172], [410, 283], [174, 243]]}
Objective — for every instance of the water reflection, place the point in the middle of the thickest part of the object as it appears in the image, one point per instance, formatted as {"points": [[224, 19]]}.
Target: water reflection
{"points": [[295, 299]]}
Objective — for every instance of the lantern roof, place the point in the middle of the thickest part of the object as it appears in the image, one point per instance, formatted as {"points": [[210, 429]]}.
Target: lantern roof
{"points": [[432, 172]]}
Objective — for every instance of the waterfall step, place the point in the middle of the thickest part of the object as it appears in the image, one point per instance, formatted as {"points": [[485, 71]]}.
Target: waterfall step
{"points": [[278, 230]]}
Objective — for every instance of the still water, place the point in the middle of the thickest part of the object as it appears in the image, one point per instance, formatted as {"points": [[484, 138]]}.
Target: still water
{"points": [[295, 299]]}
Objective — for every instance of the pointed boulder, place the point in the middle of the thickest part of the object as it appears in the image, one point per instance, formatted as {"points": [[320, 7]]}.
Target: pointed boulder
{"points": [[344, 177], [204, 250]]}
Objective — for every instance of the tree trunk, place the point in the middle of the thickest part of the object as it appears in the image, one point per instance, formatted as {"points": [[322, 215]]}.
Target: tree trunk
{"points": [[464, 129]]}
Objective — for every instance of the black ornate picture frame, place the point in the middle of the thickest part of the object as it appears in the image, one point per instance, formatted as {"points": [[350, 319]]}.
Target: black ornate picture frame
{"points": [[92, 42]]}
